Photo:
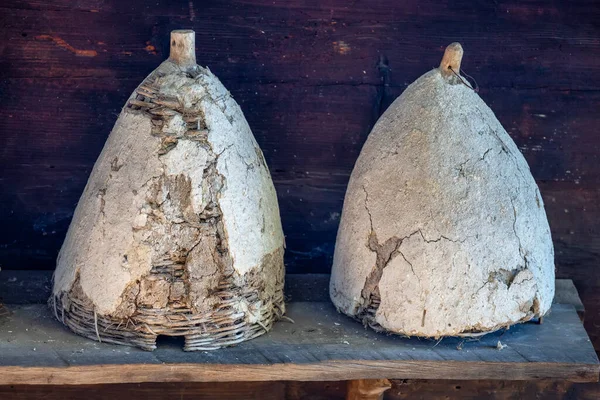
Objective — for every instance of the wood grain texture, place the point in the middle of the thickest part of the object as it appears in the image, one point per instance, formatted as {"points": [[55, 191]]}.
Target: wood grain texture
{"points": [[104, 374], [320, 345], [312, 78]]}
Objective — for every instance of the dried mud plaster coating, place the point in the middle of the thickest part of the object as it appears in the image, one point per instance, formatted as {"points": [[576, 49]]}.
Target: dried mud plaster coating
{"points": [[178, 230], [443, 230]]}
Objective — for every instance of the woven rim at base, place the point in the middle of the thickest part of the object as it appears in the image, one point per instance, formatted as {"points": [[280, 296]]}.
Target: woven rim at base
{"points": [[225, 326]]}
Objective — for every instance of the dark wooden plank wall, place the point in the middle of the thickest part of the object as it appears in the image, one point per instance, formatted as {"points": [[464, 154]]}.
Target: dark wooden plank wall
{"points": [[312, 77], [401, 390]]}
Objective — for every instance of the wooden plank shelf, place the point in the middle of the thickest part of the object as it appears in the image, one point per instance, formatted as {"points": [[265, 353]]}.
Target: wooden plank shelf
{"points": [[321, 344]]}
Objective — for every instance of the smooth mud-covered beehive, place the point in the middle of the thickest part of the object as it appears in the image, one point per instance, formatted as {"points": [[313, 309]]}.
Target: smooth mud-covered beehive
{"points": [[177, 232], [443, 230]]}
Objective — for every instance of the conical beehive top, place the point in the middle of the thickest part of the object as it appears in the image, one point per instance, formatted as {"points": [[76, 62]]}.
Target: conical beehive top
{"points": [[177, 231], [443, 230]]}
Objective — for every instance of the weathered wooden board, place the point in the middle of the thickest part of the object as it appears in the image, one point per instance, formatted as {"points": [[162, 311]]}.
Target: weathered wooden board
{"points": [[312, 78], [321, 345], [566, 293]]}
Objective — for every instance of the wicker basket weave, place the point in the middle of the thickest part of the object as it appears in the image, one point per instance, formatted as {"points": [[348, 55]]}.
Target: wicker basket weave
{"points": [[223, 327]]}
